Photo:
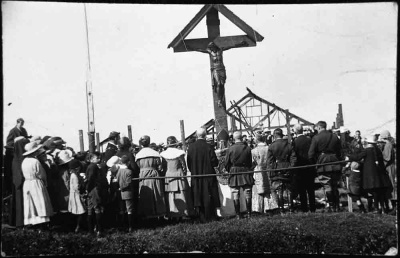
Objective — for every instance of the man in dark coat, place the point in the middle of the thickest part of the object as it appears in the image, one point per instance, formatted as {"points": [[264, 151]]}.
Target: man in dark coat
{"points": [[112, 145], [281, 155], [17, 131], [304, 177], [238, 159], [201, 159], [325, 148]]}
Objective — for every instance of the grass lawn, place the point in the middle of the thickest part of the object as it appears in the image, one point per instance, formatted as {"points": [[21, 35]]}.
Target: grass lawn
{"points": [[297, 233]]}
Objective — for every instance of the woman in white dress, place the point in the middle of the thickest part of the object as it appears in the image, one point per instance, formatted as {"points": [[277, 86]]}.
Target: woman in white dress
{"points": [[37, 205]]}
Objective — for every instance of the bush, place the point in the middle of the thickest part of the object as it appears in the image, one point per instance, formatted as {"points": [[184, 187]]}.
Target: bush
{"points": [[335, 233]]}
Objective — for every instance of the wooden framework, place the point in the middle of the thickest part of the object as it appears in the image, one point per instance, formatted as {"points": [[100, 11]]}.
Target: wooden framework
{"points": [[252, 113]]}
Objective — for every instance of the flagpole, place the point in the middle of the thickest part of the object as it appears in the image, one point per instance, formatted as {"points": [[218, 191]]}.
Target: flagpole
{"points": [[89, 93]]}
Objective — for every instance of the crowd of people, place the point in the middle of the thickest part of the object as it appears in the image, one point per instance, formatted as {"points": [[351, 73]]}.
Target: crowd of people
{"points": [[51, 185]]}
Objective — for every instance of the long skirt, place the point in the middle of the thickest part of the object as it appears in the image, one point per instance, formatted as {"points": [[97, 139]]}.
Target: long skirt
{"points": [[263, 202], [151, 195], [177, 195], [37, 205], [75, 204]]}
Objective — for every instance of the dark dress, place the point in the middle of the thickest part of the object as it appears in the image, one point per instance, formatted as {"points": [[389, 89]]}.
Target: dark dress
{"points": [[374, 175], [17, 216], [201, 159]]}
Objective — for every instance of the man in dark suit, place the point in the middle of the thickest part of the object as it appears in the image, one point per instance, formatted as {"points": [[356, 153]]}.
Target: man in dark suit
{"points": [[201, 159], [112, 145], [238, 159], [325, 148], [15, 132], [280, 155], [304, 177]]}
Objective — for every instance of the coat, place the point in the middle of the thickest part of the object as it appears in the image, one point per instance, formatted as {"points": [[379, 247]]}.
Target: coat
{"points": [[17, 212], [14, 133], [151, 192], [301, 146], [37, 205], [96, 184], [238, 159], [261, 179], [325, 148], [389, 157], [374, 175], [124, 178], [201, 160], [135, 172], [280, 155]]}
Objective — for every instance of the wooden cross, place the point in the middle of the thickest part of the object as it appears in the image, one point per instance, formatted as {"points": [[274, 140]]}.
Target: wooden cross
{"points": [[180, 44]]}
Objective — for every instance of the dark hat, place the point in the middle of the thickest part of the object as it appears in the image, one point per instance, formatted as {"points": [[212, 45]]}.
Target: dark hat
{"points": [[57, 140], [74, 164], [153, 145], [49, 145], [113, 134], [44, 139]]}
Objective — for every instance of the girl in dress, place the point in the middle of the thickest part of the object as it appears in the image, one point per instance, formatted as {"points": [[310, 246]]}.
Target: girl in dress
{"points": [[75, 201]]}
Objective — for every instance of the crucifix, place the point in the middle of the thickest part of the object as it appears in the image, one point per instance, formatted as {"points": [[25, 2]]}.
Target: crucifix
{"points": [[214, 46]]}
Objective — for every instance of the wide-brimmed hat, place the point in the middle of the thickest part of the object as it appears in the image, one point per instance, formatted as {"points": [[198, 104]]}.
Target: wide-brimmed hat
{"points": [[384, 134], [371, 138], [44, 139], [31, 148], [36, 138], [344, 129], [65, 156], [57, 140], [113, 161]]}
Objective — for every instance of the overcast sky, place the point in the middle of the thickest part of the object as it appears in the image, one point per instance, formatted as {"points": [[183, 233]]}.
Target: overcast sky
{"points": [[312, 58]]}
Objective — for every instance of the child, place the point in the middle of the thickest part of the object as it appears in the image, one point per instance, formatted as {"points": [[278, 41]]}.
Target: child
{"points": [[124, 178], [75, 204], [96, 190]]}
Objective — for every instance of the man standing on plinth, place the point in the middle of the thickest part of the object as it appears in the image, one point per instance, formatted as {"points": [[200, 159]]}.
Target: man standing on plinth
{"points": [[238, 159], [201, 160], [218, 72]]}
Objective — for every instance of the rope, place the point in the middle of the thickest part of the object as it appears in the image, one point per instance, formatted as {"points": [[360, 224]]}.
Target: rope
{"points": [[246, 172]]}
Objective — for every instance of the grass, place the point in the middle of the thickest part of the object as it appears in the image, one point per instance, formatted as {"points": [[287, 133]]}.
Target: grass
{"points": [[298, 233]]}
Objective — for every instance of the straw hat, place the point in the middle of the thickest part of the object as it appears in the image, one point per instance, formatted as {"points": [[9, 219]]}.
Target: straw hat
{"points": [[31, 148], [113, 161], [371, 138], [36, 138], [65, 156]]}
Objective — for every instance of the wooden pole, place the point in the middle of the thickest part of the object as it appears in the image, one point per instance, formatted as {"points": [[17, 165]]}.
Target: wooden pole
{"points": [[98, 141], [288, 125], [130, 132], [92, 142], [269, 119], [349, 200], [183, 135], [89, 95], [221, 121], [82, 146]]}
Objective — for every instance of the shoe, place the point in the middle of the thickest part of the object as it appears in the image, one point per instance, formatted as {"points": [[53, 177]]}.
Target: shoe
{"points": [[77, 229], [130, 230], [379, 211]]}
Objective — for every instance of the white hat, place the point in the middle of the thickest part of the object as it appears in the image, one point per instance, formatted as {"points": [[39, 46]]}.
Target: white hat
{"points": [[31, 148], [371, 138], [65, 156], [344, 129], [36, 138], [113, 161]]}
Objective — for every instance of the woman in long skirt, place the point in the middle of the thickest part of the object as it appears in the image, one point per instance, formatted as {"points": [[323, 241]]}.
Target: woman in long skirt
{"points": [[37, 205], [177, 191], [151, 191]]}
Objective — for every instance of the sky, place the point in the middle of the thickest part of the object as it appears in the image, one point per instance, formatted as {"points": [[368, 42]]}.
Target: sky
{"points": [[312, 58]]}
